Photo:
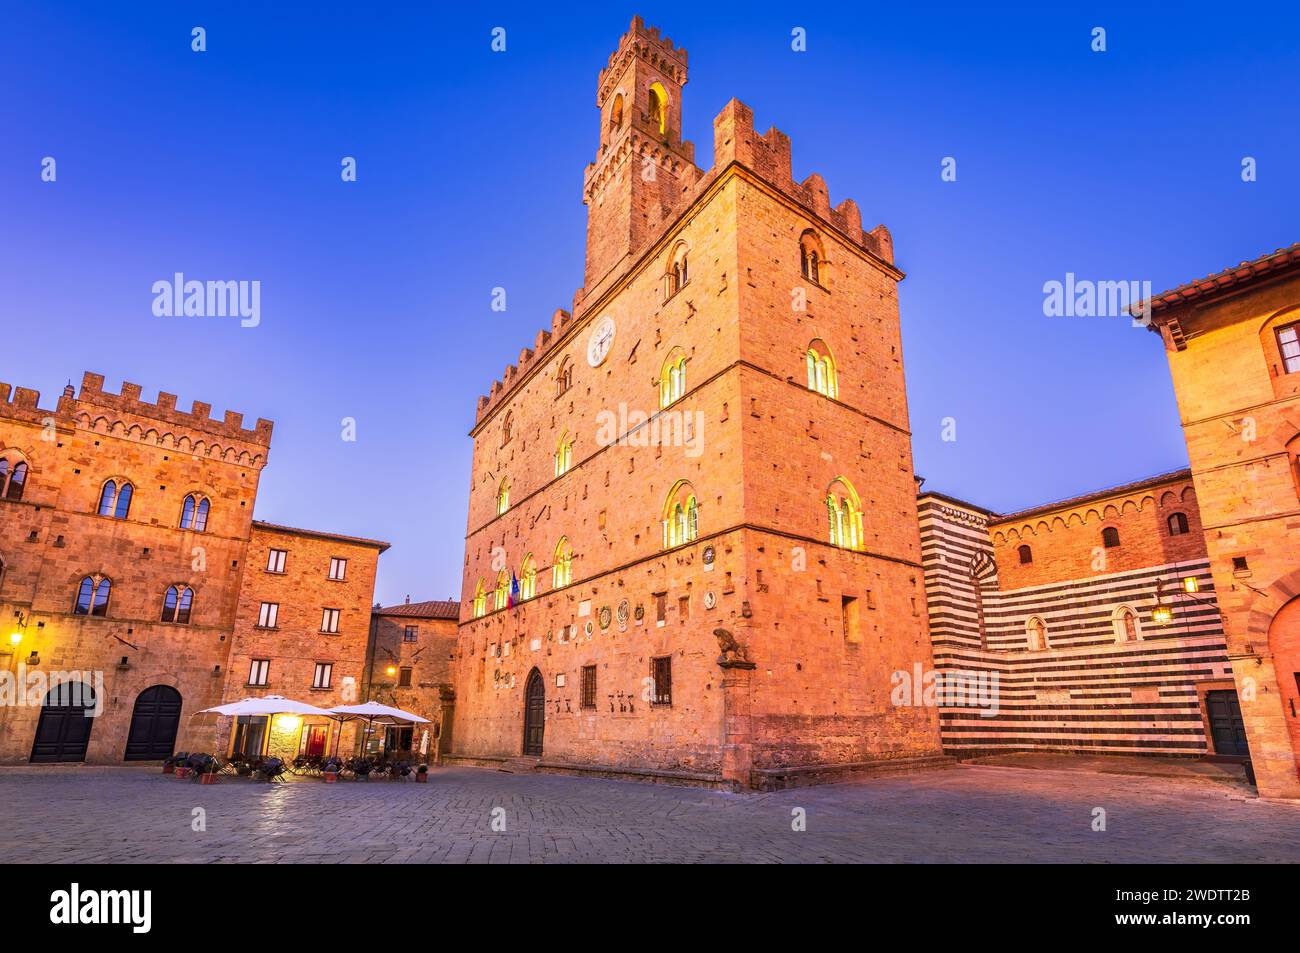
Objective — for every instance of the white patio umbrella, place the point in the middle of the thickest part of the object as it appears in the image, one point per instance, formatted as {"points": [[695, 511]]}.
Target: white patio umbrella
{"points": [[269, 705], [372, 712]]}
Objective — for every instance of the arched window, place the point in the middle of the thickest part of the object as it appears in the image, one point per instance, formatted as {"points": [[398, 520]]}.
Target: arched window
{"points": [[821, 370], [528, 579], [844, 511], [658, 113], [616, 112], [1036, 629], [812, 260], [564, 377], [672, 378], [564, 454], [194, 513], [1127, 626], [507, 428], [1110, 537], [480, 600], [503, 590], [1026, 555], [115, 500], [13, 477], [92, 596], [562, 565], [1177, 524], [503, 496], [176, 604], [678, 272], [681, 516]]}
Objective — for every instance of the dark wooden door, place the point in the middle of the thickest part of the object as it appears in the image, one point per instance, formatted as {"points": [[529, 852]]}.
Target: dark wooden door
{"points": [[154, 721], [534, 714], [1226, 728], [63, 732]]}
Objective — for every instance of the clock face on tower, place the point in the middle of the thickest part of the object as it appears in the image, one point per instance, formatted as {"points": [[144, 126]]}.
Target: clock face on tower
{"points": [[602, 336]]}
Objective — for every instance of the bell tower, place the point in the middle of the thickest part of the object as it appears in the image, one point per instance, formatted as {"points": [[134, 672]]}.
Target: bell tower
{"points": [[642, 162]]}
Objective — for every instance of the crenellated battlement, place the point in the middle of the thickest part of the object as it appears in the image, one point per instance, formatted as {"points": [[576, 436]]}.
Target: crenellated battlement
{"points": [[93, 398], [644, 41], [638, 144]]}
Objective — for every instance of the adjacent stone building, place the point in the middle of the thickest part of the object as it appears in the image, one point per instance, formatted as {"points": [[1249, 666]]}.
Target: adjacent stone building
{"points": [[1233, 343], [1061, 608], [132, 576], [692, 545], [413, 646]]}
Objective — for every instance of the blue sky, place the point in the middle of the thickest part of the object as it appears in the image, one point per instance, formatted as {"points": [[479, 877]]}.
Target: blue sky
{"points": [[376, 295]]}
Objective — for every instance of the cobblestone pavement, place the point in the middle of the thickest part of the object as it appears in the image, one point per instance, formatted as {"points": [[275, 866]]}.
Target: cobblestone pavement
{"points": [[966, 813]]}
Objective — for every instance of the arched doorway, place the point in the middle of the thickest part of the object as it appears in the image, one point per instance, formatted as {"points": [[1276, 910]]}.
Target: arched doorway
{"points": [[63, 732], [534, 714], [154, 721]]}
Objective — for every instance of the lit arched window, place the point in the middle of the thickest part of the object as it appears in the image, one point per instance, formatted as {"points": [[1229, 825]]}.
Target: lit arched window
{"points": [[672, 378], [194, 513], [13, 477], [92, 596], [1110, 537], [503, 497], [1036, 629], [503, 590], [115, 501], [1177, 524], [681, 516], [616, 112], [564, 454], [176, 604], [528, 579], [507, 428], [844, 510], [812, 260], [658, 113], [821, 370], [562, 565], [1026, 555], [480, 600], [564, 377], [1127, 626]]}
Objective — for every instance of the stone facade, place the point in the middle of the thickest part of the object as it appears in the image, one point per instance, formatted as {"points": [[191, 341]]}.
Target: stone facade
{"points": [[712, 272], [1240, 408], [147, 649], [413, 646], [1062, 628]]}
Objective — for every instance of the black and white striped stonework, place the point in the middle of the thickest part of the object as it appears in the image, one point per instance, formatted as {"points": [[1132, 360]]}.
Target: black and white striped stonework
{"points": [[1088, 691]]}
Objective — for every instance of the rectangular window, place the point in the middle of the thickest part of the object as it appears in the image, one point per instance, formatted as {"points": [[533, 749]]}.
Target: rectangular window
{"points": [[258, 670], [269, 616], [404, 678], [324, 672], [1288, 342], [329, 621], [411, 633], [849, 615], [338, 567], [661, 673], [275, 560], [588, 686]]}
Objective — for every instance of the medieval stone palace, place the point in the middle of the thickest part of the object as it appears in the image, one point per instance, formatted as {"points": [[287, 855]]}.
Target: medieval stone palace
{"points": [[696, 547]]}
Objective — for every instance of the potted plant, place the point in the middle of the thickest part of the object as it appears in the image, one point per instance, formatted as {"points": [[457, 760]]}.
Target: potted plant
{"points": [[182, 764], [422, 774], [170, 762], [329, 769], [362, 767], [206, 767]]}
